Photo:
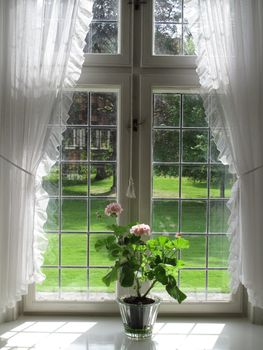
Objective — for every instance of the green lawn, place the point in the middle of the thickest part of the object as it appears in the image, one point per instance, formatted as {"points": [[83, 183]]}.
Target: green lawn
{"points": [[165, 219]]}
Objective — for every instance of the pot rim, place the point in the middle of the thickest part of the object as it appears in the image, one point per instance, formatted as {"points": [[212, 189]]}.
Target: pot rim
{"points": [[157, 301]]}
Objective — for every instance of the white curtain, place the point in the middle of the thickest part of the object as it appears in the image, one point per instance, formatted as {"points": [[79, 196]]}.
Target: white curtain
{"points": [[41, 45], [228, 36]]}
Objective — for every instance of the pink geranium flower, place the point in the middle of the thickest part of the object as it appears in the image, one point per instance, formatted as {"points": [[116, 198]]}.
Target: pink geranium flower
{"points": [[113, 209], [140, 229]]}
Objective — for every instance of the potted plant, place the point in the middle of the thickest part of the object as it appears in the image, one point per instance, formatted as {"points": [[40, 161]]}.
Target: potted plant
{"points": [[140, 260]]}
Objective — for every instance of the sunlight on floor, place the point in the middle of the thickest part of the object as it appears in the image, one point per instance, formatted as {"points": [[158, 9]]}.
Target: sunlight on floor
{"points": [[92, 336]]}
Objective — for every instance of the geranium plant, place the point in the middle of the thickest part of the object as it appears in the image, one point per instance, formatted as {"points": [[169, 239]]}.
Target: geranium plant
{"points": [[139, 258]]}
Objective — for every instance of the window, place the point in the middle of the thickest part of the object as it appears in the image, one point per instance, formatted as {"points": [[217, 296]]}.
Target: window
{"points": [[180, 184]]}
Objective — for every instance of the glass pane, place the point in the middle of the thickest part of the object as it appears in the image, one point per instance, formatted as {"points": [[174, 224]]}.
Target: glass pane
{"points": [[107, 10], [219, 215], [165, 181], [103, 144], [74, 280], [188, 42], [193, 282], [74, 144], [165, 216], [194, 113], [96, 284], [52, 215], [103, 108], [168, 39], [102, 38], [214, 153], [168, 10], [195, 146], [165, 146], [221, 181], [50, 183], [99, 222], [98, 258], [50, 284], [219, 282], [195, 255], [218, 250], [74, 215], [74, 249], [194, 181], [51, 254], [194, 216], [167, 109], [74, 179], [79, 108], [103, 180]]}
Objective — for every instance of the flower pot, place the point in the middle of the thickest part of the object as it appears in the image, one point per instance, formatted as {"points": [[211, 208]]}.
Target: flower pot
{"points": [[138, 319]]}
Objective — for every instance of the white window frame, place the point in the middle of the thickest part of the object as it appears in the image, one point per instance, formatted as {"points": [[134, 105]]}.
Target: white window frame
{"points": [[123, 57], [148, 59], [96, 82]]}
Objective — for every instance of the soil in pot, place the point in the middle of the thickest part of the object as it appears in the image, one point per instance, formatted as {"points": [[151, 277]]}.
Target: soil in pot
{"points": [[138, 300]]}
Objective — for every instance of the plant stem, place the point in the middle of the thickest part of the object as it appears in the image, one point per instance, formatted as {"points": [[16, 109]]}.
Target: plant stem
{"points": [[138, 287], [148, 290]]}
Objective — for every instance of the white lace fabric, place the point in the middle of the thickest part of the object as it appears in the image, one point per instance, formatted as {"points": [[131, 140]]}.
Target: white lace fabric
{"points": [[40, 52]]}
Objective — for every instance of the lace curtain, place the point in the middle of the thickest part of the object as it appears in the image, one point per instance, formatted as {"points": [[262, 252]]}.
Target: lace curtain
{"points": [[41, 45], [229, 40]]}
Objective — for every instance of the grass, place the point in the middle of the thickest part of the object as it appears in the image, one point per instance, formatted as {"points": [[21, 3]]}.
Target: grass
{"points": [[76, 245]]}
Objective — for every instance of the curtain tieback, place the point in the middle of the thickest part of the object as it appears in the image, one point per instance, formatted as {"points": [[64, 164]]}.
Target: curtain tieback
{"points": [[15, 165], [252, 170]]}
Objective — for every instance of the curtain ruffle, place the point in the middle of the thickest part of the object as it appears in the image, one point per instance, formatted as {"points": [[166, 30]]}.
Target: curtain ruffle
{"points": [[72, 74], [210, 92]]}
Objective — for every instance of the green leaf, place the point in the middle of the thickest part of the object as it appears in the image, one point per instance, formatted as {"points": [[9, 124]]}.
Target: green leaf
{"points": [[126, 276], [181, 243], [110, 276], [100, 244], [160, 274], [175, 292]]}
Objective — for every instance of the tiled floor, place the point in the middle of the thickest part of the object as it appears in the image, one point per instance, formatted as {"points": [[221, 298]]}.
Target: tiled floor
{"points": [[96, 333]]}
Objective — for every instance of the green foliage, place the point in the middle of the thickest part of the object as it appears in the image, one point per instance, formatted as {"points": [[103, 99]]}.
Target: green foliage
{"points": [[138, 260]]}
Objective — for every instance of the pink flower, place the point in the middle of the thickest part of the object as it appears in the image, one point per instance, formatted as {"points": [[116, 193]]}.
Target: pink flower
{"points": [[113, 209], [140, 229], [178, 234]]}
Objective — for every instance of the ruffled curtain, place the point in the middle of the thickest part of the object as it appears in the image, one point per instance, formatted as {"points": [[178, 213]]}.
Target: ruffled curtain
{"points": [[41, 45], [228, 36]]}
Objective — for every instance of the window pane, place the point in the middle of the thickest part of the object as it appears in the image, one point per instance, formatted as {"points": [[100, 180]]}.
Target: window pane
{"points": [[74, 215], [165, 181], [165, 146], [194, 283], [79, 108], [104, 28], [214, 153], [218, 250], [74, 280], [194, 113], [194, 216], [195, 256], [52, 252], [168, 10], [74, 144], [52, 215], [221, 182], [50, 183], [74, 249], [165, 216], [98, 258], [219, 282], [74, 179], [98, 221], [168, 39], [194, 181], [103, 144], [96, 284], [167, 109], [195, 146], [103, 108], [103, 180], [219, 215], [50, 284]]}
